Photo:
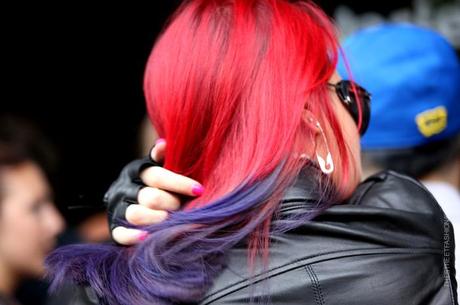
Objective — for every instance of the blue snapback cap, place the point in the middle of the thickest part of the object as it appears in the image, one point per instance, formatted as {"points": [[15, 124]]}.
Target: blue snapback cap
{"points": [[413, 74]]}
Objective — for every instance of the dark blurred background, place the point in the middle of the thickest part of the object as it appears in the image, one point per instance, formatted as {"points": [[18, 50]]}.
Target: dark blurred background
{"points": [[77, 73]]}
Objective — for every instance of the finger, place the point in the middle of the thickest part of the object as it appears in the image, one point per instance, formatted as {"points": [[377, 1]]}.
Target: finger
{"points": [[168, 181], [128, 236], [158, 151], [157, 199], [140, 215]]}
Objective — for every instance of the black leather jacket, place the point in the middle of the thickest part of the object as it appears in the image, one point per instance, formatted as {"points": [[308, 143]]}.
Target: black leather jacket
{"points": [[390, 244]]}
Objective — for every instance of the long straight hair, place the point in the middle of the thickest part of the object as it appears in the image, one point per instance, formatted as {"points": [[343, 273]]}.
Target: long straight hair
{"points": [[226, 85]]}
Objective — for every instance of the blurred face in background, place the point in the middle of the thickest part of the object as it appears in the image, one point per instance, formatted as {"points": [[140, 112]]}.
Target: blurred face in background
{"points": [[29, 221]]}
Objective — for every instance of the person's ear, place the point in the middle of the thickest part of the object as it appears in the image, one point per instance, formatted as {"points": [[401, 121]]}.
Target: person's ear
{"points": [[321, 147], [311, 121]]}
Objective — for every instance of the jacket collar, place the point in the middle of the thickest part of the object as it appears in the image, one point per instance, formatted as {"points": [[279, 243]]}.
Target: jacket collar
{"points": [[307, 192]]}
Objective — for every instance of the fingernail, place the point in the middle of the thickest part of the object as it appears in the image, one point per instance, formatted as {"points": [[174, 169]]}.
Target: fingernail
{"points": [[143, 235], [160, 141], [197, 190]]}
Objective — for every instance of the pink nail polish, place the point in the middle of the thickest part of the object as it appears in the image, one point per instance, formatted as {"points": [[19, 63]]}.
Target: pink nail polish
{"points": [[160, 141], [197, 190], [143, 235]]}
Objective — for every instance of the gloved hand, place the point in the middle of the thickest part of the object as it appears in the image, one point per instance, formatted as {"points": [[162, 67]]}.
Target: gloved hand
{"points": [[144, 194], [123, 192]]}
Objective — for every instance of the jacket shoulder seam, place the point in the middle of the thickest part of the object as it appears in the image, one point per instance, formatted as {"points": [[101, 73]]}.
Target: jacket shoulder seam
{"points": [[315, 285]]}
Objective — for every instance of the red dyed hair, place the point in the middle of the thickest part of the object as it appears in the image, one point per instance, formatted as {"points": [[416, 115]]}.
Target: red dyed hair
{"points": [[227, 84]]}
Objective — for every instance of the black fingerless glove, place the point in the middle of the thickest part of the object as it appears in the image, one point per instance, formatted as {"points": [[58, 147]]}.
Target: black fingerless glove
{"points": [[124, 190]]}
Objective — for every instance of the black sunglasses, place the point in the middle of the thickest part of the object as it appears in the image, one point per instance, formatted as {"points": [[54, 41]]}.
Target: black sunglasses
{"points": [[357, 101]]}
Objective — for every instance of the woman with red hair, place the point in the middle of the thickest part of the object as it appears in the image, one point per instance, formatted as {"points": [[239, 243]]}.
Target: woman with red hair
{"points": [[246, 96]]}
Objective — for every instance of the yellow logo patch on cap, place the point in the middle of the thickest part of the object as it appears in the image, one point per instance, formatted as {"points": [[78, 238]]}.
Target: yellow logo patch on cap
{"points": [[432, 121]]}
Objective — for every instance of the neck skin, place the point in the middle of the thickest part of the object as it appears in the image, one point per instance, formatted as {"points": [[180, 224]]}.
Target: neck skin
{"points": [[369, 170], [9, 280], [449, 173]]}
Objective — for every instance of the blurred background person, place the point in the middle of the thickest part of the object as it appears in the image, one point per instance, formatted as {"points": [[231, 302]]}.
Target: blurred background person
{"points": [[29, 220], [413, 74]]}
